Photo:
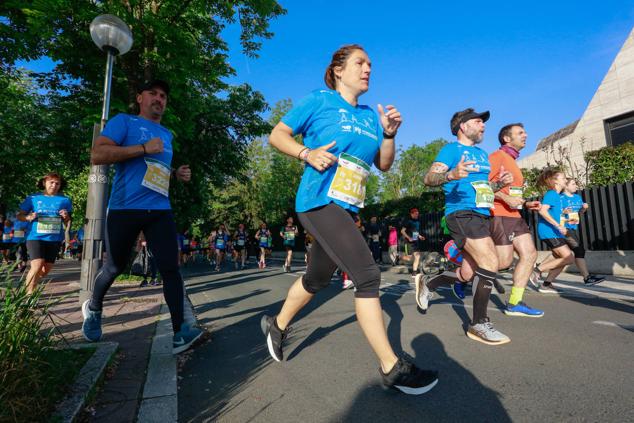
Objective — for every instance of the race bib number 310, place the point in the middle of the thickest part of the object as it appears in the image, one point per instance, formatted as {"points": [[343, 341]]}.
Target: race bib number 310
{"points": [[157, 177], [350, 179]]}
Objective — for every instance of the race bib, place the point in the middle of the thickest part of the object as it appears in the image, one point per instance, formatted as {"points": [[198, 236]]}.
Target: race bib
{"points": [[415, 235], [517, 192], [220, 243], [6, 237], [241, 242], [157, 177], [264, 239], [18, 234], [185, 242], [375, 237], [484, 194], [47, 225], [573, 218], [349, 182], [289, 236]]}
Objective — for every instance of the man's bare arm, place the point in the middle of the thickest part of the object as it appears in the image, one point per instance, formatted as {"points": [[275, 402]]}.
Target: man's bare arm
{"points": [[437, 174]]}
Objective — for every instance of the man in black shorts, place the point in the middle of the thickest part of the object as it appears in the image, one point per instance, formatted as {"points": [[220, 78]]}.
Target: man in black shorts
{"points": [[411, 231]]}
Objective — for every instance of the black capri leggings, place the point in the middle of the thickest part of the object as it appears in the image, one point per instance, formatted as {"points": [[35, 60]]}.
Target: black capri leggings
{"points": [[122, 229], [338, 243]]}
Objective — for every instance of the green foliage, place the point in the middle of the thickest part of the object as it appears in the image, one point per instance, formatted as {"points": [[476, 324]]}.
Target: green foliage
{"points": [[530, 182], [33, 374], [179, 41], [427, 202], [611, 165], [405, 178]]}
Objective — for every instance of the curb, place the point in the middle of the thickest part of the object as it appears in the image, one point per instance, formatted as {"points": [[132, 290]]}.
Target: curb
{"points": [[159, 402], [84, 385]]}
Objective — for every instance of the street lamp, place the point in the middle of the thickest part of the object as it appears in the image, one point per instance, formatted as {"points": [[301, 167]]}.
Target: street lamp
{"points": [[113, 36]]}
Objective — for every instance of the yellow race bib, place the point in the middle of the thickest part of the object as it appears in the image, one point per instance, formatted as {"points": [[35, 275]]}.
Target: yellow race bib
{"points": [[350, 179], [157, 177]]}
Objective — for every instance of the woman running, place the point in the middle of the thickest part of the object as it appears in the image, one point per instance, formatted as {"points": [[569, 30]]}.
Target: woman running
{"points": [[48, 212], [220, 244], [288, 234], [551, 229], [240, 245], [262, 236], [342, 139]]}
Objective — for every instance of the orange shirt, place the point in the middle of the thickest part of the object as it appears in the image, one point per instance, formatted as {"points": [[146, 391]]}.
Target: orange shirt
{"points": [[498, 159]]}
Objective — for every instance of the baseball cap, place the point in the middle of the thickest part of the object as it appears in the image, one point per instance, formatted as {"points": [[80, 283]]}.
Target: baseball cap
{"points": [[473, 115], [148, 85]]}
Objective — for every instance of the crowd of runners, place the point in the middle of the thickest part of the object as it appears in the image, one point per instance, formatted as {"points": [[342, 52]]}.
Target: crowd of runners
{"points": [[342, 139]]}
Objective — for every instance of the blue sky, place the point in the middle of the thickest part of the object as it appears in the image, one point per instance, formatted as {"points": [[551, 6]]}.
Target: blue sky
{"points": [[535, 62]]}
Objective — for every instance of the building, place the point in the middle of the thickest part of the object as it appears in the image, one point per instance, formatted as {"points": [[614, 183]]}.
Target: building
{"points": [[608, 119]]}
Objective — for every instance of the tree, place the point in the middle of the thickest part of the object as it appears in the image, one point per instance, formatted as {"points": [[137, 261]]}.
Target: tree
{"points": [[405, 179], [179, 41], [611, 165]]}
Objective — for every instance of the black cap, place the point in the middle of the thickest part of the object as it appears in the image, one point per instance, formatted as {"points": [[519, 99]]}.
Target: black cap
{"points": [[473, 115], [148, 85]]}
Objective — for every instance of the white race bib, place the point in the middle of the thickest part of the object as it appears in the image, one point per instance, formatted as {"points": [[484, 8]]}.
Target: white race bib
{"points": [[375, 237], [6, 237], [289, 236], [349, 182], [18, 234], [240, 242], [484, 194], [47, 225], [157, 177], [517, 192]]}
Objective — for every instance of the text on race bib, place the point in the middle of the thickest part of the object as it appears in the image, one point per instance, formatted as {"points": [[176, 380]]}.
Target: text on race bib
{"points": [[157, 177], [350, 180], [19, 234], [47, 225], [483, 194], [517, 192]]}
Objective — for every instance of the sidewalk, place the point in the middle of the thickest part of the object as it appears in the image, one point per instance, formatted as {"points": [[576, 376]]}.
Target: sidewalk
{"points": [[130, 316]]}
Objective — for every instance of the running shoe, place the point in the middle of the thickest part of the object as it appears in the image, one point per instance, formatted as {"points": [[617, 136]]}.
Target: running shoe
{"points": [[275, 337], [408, 378], [143, 283], [184, 338], [522, 309], [458, 290], [91, 328], [347, 284], [535, 278], [548, 289], [423, 294], [593, 280], [217, 269], [486, 333]]}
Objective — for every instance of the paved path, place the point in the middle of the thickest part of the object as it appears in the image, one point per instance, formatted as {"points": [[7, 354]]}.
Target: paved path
{"points": [[574, 364]]}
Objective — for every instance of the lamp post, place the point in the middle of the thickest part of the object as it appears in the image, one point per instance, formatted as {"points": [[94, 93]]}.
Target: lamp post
{"points": [[114, 37]]}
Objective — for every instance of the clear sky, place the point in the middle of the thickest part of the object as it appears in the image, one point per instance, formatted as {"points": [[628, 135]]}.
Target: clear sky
{"points": [[535, 62]]}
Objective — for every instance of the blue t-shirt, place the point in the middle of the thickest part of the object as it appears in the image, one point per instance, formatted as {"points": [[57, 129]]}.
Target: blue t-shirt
{"points": [[322, 117], [575, 203], [48, 225], [6, 234], [460, 194], [544, 229], [134, 177], [20, 231]]}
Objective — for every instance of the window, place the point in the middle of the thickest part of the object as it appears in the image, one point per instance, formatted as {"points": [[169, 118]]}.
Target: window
{"points": [[620, 129]]}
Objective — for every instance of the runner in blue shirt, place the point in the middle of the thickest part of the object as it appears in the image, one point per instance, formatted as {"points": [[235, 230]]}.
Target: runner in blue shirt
{"points": [[573, 207], [462, 168], [48, 212], [141, 150], [220, 244], [20, 231], [342, 139], [6, 243], [551, 229]]}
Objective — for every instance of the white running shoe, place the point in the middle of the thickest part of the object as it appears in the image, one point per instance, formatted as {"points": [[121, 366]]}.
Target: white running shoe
{"points": [[487, 334]]}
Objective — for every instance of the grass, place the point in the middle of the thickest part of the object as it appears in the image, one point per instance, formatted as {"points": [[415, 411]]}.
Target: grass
{"points": [[34, 372]]}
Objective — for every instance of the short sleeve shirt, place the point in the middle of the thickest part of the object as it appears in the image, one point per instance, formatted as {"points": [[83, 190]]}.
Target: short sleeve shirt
{"points": [[130, 188], [322, 117], [575, 203], [544, 229], [20, 231], [460, 194], [48, 225]]}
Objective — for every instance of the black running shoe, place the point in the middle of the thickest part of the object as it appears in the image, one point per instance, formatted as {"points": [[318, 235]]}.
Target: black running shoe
{"points": [[409, 379], [274, 336], [593, 280]]}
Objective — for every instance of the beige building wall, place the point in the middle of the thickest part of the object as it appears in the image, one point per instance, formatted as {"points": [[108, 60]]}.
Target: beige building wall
{"points": [[614, 97]]}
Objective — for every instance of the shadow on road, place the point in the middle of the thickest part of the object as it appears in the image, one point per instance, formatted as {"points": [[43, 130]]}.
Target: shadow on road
{"points": [[459, 396]]}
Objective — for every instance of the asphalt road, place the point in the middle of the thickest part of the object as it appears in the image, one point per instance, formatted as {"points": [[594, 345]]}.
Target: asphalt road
{"points": [[574, 364]]}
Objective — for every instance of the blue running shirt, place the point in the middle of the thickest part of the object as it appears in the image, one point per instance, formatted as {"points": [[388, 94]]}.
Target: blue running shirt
{"points": [[575, 203], [460, 194], [141, 183], [20, 230], [544, 229], [322, 117], [48, 225]]}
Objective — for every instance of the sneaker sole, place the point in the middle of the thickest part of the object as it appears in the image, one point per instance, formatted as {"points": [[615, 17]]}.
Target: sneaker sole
{"points": [[84, 313], [517, 313], [418, 283], [594, 283], [548, 292], [416, 391], [484, 341], [264, 325], [186, 346]]}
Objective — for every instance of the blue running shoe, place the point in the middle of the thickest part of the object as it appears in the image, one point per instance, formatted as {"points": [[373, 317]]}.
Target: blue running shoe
{"points": [[521, 309], [91, 328], [184, 338], [458, 290]]}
